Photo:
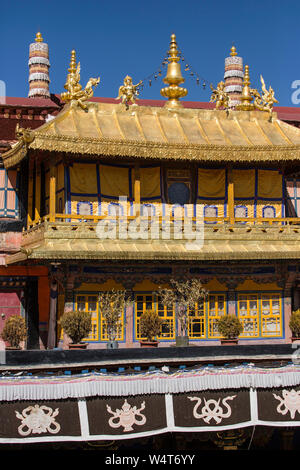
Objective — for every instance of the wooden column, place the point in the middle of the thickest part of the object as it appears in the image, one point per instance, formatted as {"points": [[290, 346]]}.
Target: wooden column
{"points": [[137, 188], [32, 313], [52, 192], [230, 193], [52, 325], [30, 195], [37, 211]]}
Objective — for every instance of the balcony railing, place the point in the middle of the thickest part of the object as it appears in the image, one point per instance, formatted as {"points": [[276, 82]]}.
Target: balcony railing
{"points": [[160, 218]]}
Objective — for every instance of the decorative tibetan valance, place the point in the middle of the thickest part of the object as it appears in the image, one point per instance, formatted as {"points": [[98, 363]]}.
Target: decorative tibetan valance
{"points": [[122, 406]]}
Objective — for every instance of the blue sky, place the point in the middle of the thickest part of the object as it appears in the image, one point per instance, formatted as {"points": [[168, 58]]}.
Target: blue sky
{"points": [[115, 38]]}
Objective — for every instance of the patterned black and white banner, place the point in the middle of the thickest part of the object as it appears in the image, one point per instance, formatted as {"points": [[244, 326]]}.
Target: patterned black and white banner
{"points": [[107, 417]]}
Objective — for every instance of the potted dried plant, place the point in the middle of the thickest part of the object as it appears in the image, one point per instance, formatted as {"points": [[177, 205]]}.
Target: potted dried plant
{"points": [[14, 331], [77, 325], [294, 324], [184, 295], [112, 304], [230, 327], [150, 327]]}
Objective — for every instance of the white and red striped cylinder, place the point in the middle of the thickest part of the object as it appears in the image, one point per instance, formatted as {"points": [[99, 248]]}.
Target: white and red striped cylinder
{"points": [[39, 69], [233, 77]]}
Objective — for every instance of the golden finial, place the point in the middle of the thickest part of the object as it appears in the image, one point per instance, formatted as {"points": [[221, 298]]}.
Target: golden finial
{"points": [[38, 37], [247, 93], [233, 51], [173, 78], [73, 64]]}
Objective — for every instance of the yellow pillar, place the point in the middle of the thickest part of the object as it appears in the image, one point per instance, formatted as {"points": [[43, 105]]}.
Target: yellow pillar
{"points": [[230, 192], [137, 187], [30, 194], [52, 193], [37, 211]]}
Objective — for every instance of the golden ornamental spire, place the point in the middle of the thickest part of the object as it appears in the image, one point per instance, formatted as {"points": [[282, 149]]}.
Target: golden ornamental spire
{"points": [[247, 93], [262, 102], [38, 37], [75, 94], [73, 64], [173, 78]]}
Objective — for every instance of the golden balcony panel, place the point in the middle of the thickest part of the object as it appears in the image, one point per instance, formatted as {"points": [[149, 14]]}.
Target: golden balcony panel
{"points": [[170, 239]]}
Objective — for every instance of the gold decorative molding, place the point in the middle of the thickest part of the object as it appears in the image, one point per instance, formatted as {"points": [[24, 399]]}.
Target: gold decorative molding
{"points": [[152, 150]]}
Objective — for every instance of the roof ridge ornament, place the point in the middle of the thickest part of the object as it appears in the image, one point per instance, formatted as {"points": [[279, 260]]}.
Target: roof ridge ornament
{"points": [[261, 102], [128, 92], [75, 94], [173, 78], [24, 135], [265, 101], [220, 96], [247, 93]]}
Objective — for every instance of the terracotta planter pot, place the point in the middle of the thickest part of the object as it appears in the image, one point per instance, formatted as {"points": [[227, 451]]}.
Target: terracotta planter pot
{"points": [[295, 339], [229, 341], [149, 344], [78, 346]]}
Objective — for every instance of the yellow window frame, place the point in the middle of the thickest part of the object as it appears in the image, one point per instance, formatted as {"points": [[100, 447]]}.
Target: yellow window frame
{"points": [[103, 331], [94, 334], [149, 300], [218, 312], [169, 319], [205, 319], [247, 318], [262, 319], [197, 320], [272, 316]]}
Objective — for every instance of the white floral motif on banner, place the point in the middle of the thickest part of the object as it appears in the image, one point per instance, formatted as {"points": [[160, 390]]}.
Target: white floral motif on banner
{"points": [[212, 409], [38, 419], [289, 402], [127, 416]]}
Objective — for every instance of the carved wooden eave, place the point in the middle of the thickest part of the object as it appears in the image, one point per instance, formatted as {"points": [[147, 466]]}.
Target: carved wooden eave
{"points": [[146, 132]]}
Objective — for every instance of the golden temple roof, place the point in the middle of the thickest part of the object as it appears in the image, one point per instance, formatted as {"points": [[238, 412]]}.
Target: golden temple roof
{"points": [[160, 133]]}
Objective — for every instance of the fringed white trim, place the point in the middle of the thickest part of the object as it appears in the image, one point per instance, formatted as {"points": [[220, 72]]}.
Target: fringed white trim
{"points": [[39, 76], [39, 60], [233, 88], [234, 73], [89, 385], [38, 91]]}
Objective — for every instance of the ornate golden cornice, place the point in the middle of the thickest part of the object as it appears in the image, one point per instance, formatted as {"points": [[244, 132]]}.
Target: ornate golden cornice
{"points": [[153, 150]]}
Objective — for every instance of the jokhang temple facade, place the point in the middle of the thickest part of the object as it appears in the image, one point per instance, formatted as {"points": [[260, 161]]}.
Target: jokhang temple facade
{"points": [[72, 162]]}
